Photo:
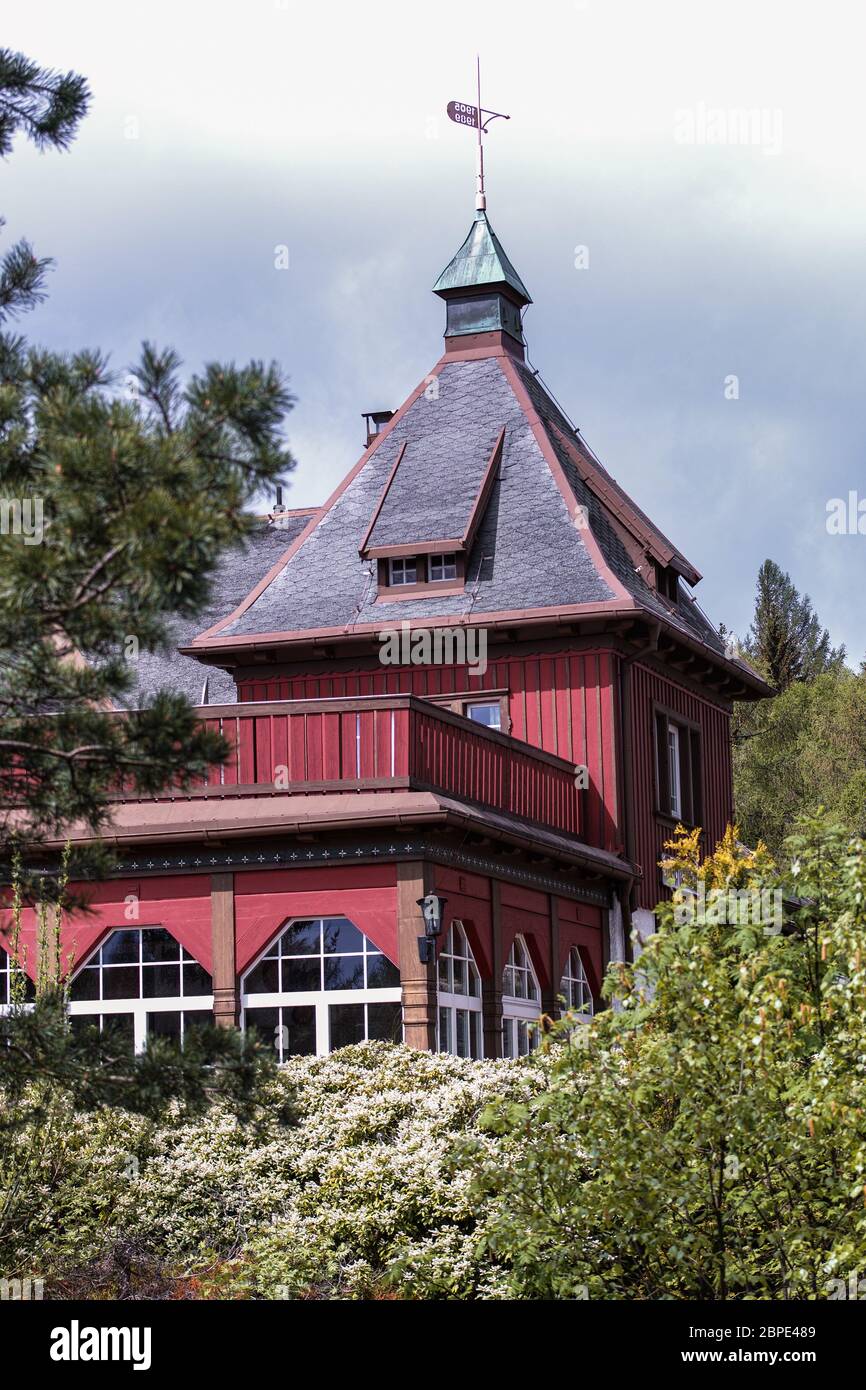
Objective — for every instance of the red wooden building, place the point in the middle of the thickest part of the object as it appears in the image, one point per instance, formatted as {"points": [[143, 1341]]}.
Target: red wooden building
{"points": [[476, 675]]}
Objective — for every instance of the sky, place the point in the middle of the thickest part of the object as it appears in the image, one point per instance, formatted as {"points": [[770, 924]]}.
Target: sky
{"points": [[680, 185]]}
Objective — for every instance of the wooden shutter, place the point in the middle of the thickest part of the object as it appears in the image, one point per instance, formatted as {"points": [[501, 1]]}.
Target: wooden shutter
{"points": [[663, 775]]}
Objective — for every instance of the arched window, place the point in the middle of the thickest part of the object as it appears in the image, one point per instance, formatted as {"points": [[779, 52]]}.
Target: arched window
{"points": [[319, 986], [143, 983], [8, 971], [521, 1002], [575, 987], [459, 1021]]}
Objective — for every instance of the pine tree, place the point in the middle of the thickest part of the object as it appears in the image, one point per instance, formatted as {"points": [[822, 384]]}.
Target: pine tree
{"points": [[116, 502], [786, 638]]}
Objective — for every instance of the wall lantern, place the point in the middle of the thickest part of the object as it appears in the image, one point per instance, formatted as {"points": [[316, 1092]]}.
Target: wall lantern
{"points": [[426, 949], [433, 909]]}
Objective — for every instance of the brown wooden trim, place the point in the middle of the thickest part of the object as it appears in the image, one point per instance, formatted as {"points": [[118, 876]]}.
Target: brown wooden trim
{"points": [[444, 546], [418, 982], [362, 548], [226, 995], [479, 506], [491, 987]]}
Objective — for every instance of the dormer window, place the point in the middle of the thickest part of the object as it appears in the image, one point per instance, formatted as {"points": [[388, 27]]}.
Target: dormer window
{"points": [[442, 567], [403, 571]]}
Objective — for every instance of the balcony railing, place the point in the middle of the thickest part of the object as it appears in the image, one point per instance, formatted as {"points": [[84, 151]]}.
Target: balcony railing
{"points": [[384, 743]]}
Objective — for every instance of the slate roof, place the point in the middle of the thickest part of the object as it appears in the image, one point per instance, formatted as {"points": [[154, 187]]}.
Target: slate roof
{"points": [[237, 573], [527, 553]]}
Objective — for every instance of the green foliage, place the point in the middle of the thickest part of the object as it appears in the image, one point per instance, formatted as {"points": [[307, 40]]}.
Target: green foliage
{"points": [[786, 640], [707, 1138], [116, 503], [808, 745], [359, 1195], [46, 106]]}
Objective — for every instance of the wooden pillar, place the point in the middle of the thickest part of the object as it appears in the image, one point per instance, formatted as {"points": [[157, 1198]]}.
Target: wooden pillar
{"points": [[491, 989], [550, 996], [414, 880], [226, 996]]}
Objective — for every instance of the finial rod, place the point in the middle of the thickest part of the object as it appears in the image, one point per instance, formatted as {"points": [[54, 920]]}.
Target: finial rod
{"points": [[480, 197]]}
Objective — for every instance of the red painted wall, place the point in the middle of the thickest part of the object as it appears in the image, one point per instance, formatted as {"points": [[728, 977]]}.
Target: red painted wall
{"points": [[563, 702], [650, 831], [365, 893]]}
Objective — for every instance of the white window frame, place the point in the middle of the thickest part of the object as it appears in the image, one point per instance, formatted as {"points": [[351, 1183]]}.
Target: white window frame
{"points": [[575, 987], [139, 1007], [445, 564], [676, 797], [319, 1000], [456, 946], [403, 570], [484, 704], [519, 1012]]}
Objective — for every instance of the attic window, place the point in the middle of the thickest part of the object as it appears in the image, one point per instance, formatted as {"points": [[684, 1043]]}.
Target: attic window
{"points": [[403, 571], [443, 567]]}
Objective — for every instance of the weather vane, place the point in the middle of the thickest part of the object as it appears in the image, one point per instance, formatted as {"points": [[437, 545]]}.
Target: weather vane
{"points": [[478, 118]]}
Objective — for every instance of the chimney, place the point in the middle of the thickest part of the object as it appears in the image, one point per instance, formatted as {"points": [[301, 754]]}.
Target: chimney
{"points": [[376, 422]]}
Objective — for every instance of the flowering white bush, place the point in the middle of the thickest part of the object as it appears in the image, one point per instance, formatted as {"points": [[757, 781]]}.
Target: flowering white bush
{"points": [[357, 1194]]}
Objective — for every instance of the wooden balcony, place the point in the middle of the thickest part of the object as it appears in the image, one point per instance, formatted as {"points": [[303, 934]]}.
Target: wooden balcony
{"points": [[384, 744]]}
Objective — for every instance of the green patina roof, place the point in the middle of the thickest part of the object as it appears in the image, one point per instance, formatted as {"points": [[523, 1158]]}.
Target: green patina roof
{"points": [[480, 261]]}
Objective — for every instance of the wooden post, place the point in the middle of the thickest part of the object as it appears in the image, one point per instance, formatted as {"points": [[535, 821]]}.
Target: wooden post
{"points": [[550, 996], [491, 990], [414, 880], [226, 998]]}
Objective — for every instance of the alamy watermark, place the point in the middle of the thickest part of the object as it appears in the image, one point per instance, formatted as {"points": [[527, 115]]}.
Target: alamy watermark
{"points": [[22, 516], [846, 516], [438, 646], [758, 126]]}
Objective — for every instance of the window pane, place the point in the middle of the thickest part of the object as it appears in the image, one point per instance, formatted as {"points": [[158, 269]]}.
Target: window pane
{"points": [[299, 1031], [460, 977], [196, 980], [264, 1024], [120, 947], [122, 1026], [160, 981], [444, 973], [444, 1038], [86, 984], [264, 978], [301, 973], [340, 935], [120, 982], [158, 944], [346, 1023], [489, 715], [385, 1022], [164, 1025], [344, 972], [462, 1031], [381, 973], [196, 1018], [301, 939]]}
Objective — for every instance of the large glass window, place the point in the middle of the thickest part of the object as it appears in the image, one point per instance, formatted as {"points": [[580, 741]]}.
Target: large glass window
{"points": [[574, 986], [322, 984], [521, 1002], [459, 1017], [142, 983]]}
